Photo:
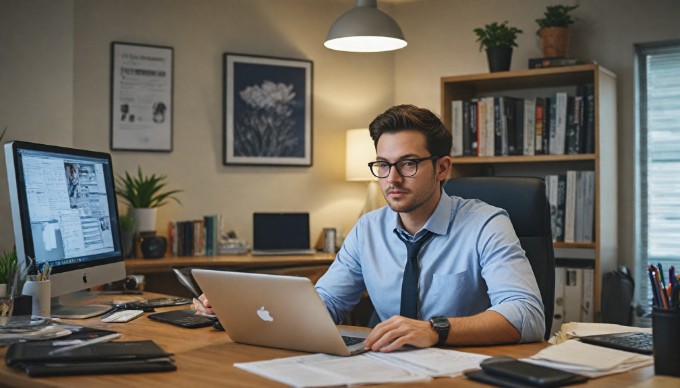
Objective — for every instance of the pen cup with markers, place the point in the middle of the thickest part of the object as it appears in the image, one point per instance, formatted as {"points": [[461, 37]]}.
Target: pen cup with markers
{"points": [[666, 334]]}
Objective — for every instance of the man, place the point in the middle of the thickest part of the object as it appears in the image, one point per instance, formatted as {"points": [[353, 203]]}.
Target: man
{"points": [[466, 281], [473, 275]]}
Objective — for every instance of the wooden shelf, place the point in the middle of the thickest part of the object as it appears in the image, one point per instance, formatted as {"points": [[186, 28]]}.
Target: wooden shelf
{"points": [[521, 159], [560, 244]]}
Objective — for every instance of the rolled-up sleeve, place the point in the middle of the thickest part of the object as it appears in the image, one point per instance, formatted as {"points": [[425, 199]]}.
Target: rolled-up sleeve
{"points": [[512, 287]]}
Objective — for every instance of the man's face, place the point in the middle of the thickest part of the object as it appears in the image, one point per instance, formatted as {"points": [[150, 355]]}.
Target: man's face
{"points": [[406, 194]]}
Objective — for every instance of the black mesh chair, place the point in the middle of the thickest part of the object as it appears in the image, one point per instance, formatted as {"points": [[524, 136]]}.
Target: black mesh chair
{"points": [[526, 203]]}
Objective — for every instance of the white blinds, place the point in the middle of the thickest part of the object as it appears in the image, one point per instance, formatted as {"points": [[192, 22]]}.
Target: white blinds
{"points": [[658, 167]]}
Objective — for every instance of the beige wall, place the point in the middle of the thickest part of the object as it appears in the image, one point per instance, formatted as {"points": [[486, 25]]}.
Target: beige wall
{"points": [[42, 99], [36, 81]]}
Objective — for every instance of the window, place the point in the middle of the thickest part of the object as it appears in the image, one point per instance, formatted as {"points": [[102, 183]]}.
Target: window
{"points": [[658, 162]]}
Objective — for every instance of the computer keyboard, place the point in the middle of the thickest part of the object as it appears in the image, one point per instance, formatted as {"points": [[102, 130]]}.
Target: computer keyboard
{"points": [[349, 341], [121, 316], [630, 342]]}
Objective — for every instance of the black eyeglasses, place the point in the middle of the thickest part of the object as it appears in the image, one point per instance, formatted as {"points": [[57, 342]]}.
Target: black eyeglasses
{"points": [[405, 167]]}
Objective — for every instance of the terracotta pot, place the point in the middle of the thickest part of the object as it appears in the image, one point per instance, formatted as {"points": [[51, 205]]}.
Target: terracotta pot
{"points": [[555, 41]]}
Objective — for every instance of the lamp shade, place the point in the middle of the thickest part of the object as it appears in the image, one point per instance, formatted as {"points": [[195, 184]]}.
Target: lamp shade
{"points": [[360, 150], [365, 29]]}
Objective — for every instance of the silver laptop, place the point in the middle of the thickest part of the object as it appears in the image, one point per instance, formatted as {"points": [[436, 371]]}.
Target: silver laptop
{"points": [[275, 311], [281, 234]]}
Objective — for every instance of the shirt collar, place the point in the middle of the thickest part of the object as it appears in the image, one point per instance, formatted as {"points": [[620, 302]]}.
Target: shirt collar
{"points": [[438, 222]]}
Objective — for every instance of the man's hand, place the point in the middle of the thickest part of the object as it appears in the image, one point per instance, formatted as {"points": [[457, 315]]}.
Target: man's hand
{"points": [[205, 307], [399, 331]]}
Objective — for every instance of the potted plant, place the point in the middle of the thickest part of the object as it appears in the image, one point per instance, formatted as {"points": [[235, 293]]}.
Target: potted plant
{"points": [[8, 269], [498, 39], [554, 30], [144, 194], [127, 225]]}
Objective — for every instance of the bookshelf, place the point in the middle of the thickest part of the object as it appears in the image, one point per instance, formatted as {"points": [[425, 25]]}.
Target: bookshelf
{"points": [[602, 252]]}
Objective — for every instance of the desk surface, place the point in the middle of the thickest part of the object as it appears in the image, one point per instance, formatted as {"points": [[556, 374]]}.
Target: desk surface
{"points": [[205, 356], [235, 261]]}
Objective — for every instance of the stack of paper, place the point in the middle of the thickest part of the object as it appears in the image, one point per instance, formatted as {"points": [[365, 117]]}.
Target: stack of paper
{"points": [[589, 360], [581, 329], [318, 370]]}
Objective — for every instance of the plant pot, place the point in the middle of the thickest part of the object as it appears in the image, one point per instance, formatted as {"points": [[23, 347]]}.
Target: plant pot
{"points": [[145, 217], [499, 58], [128, 238], [554, 41]]}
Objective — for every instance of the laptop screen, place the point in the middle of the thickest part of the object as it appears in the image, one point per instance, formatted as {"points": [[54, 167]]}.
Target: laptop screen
{"points": [[280, 231]]}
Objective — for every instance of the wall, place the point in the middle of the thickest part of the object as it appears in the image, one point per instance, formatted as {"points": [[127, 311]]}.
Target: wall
{"points": [[36, 81], [348, 91], [441, 43]]}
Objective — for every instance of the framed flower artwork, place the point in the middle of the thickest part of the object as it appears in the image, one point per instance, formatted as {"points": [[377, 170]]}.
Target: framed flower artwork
{"points": [[267, 111]]}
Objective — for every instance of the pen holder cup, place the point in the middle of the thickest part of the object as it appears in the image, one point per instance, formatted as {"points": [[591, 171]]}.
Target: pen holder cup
{"points": [[666, 334], [42, 296]]}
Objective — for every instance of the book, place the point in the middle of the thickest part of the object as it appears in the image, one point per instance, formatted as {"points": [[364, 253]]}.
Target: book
{"points": [[37, 359], [539, 122], [481, 127], [457, 127], [467, 131], [587, 307], [490, 127], [529, 126], [573, 294], [473, 139], [570, 207], [589, 111], [558, 132], [539, 63], [558, 312]]}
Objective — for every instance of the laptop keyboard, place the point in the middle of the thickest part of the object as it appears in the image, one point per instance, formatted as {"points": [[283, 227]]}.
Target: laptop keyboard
{"points": [[630, 342], [349, 341]]}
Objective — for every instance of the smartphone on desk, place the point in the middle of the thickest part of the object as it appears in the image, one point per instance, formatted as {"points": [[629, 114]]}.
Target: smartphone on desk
{"points": [[528, 373]]}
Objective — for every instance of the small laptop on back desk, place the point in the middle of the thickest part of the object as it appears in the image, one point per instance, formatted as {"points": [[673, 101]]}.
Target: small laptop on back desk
{"points": [[275, 311], [281, 234]]}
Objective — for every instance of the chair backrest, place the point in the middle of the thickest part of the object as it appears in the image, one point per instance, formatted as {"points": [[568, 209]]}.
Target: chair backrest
{"points": [[525, 201]]}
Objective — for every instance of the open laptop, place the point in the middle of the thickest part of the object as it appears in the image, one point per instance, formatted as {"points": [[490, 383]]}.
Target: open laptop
{"points": [[281, 234], [275, 311]]}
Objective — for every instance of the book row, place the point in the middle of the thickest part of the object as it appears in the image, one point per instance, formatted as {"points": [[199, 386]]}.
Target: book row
{"points": [[195, 237], [574, 288], [500, 126], [572, 205]]}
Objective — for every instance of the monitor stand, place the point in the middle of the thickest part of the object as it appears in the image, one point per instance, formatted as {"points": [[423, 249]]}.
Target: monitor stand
{"points": [[78, 310]]}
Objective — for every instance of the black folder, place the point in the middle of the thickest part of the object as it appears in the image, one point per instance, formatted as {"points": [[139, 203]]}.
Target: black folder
{"points": [[35, 359]]}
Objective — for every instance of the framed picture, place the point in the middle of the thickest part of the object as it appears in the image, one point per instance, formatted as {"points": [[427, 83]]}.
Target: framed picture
{"points": [[141, 97], [267, 111]]}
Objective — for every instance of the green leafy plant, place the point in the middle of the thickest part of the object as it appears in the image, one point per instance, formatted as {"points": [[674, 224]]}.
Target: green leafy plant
{"points": [[497, 35], [557, 16], [144, 191], [8, 266]]}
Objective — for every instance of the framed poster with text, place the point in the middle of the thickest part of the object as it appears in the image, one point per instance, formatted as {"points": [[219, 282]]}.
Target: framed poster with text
{"points": [[267, 111], [141, 97]]}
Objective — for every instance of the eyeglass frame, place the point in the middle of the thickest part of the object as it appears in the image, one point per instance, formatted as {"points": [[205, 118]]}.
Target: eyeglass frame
{"points": [[417, 161]]}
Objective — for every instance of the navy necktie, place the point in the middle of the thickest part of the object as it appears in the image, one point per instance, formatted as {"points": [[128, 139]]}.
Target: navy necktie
{"points": [[409, 285]]}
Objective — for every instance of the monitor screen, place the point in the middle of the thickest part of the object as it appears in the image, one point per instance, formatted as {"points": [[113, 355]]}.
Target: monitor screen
{"points": [[64, 212]]}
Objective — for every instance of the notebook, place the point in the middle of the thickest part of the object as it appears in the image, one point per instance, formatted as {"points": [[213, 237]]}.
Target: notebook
{"points": [[281, 234], [275, 311]]}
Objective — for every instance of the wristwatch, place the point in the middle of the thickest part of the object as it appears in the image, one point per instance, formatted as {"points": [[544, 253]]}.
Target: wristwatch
{"points": [[442, 326]]}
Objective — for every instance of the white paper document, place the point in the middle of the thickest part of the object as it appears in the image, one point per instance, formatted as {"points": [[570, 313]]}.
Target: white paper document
{"points": [[318, 370], [589, 360]]}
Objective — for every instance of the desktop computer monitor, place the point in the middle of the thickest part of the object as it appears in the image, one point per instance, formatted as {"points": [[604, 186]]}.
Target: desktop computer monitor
{"points": [[64, 213]]}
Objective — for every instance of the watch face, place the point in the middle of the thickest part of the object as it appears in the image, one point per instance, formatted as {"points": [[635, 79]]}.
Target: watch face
{"points": [[440, 322]]}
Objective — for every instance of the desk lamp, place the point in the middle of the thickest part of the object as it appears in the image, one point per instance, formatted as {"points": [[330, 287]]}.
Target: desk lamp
{"points": [[360, 151]]}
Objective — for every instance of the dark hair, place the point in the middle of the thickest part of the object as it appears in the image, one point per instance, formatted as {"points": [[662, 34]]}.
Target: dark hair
{"points": [[410, 117]]}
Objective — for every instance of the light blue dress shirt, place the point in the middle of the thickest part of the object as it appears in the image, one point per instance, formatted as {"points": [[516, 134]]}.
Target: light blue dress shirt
{"points": [[473, 263]]}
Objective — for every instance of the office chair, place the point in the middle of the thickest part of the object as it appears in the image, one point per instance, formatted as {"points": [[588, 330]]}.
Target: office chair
{"points": [[527, 205]]}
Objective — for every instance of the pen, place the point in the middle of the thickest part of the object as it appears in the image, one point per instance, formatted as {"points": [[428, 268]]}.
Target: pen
{"points": [[97, 340]]}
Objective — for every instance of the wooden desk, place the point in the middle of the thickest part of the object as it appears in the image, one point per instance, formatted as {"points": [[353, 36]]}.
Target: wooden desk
{"points": [[159, 276], [205, 358]]}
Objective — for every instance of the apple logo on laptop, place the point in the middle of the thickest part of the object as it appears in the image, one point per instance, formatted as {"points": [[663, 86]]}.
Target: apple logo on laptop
{"points": [[264, 314]]}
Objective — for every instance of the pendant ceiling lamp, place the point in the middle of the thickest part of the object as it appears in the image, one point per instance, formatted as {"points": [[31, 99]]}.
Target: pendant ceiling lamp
{"points": [[365, 29]]}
